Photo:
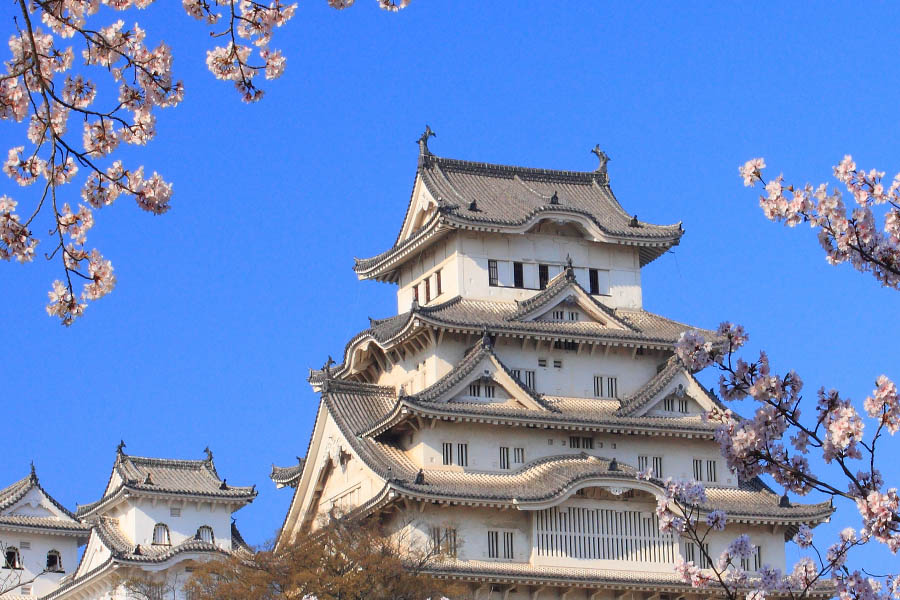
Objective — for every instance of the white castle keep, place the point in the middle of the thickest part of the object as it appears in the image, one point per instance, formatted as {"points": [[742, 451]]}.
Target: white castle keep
{"points": [[501, 417]]}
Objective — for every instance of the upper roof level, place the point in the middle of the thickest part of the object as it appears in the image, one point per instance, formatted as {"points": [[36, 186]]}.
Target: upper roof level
{"points": [[451, 194], [25, 506], [136, 476]]}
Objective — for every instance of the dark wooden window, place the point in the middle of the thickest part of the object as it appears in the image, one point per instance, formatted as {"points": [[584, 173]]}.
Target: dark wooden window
{"points": [[543, 275], [493, 277], [594, 281], [437, 283], [427, 290], [518, 275], [416, 292]]}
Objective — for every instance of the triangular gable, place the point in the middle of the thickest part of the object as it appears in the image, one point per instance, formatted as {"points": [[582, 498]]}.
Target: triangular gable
{"points": [[422, 206], [670, 391], [37, 503], [562, 297], [481, 368]]}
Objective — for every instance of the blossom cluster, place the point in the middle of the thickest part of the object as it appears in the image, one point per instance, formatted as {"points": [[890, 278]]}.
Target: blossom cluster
{"points": [[48, 85], [846, 236]]}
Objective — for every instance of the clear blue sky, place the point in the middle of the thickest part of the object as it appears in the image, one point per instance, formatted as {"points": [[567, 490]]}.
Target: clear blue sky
{"points": [[224, 303]]}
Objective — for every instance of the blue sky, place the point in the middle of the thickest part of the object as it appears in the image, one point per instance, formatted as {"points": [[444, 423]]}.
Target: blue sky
{"points": [[224, 303]]}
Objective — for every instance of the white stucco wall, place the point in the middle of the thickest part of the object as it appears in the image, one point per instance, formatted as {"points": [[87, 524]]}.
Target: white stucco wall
{"points": [[34, 559], [463, 258]]}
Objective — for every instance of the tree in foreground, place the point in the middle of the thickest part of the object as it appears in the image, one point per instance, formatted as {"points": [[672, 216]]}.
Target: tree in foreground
{"points": [[345, 559], [786, 431], [82, 83]]}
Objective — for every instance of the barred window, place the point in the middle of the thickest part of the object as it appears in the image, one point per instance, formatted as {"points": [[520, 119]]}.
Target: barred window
{"points": [[594, 281], [161, 535], [427, 290], [437, 282], [711, 470], [698, 469], [493, 276], [489, 391], [507, 544], [657, 467], [462, 454], [504, 457], [205, 534], [54, 562], [447, 453], [518, 275], [13, 558], [519, 455], [475, 389], [606, 386], [682, 405], [493, 544], [558, 315], [529, 379], [669, 404], [543, 276]]}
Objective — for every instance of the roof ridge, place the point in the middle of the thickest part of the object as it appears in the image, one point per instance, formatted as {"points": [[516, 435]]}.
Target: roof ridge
{"points": [[515, 169]]}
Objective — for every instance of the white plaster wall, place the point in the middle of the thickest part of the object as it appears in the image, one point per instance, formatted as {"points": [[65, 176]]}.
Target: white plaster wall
{"points": [[145, 513], [442, 257], [484, 442], [34, 560], [574, 379]]}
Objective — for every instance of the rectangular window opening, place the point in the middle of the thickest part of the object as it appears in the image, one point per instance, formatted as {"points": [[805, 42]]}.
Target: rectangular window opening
{"points": [[518, 275], [462, 455], [504, 457], [437, 283], [447, 453], [529, 379], [427, 290], [543, 276], [594, 281], [493, 275]]}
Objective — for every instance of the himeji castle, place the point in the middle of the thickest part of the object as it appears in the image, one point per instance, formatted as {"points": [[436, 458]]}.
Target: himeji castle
{"points": [[154, 521], [502, 416]]}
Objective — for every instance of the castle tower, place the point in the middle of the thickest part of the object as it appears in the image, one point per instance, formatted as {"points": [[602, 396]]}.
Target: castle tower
{"points": [[503, 414]]}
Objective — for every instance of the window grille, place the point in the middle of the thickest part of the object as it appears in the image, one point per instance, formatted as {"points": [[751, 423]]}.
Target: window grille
{"points": [[690, 552], [475, 389], [557, 364], [606, 387], [13, 559], [54, 562], [561, 345], [518, 275], [757, 559], [594, 281], [447, 453], [711, 470], [507, 544], [745, 564], [558, 315], [427, 290], [669, 404], [161, 535], [574, 441], [517, 373], [504, 457], [519, 455], [25, 545], [584, 533], [642, 463], [682, 405], [657, 467], [443, 541], [437, 282], [704, 558], [529, 379], [543, 276], [573, 316], [493, 276], [489, 391], [26, 590], [175, 511], [698, 469], [542, 362], [493, 544], [205, 534], [462, 455]]}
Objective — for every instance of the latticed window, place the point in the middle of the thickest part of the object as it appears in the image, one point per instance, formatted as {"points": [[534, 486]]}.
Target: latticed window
{"points": [[682, 405], [657, 467], [493, 274], [558, 315], [54, 562], [519, 455], [493, 544], [508, 544], [529, 379], [573, 315], [594, 278], [504, 457], [669, 404], [489, 391], [711, 470], [543, 275], [205, 534], [447, 453], [13, 559], [475, 389], [161, 535], [606, 386], [443, 541], [585, 533], [698, 469], [518, 275], [462, 454]]}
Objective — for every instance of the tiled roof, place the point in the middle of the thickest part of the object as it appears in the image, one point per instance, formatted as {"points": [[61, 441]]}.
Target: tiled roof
{"points": [[170, 476], [124, 550], [12, 494], [507, 572], [287, 476], [474, 194], [238, 544], [351, 405], [464, 369], [634, 327]]}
